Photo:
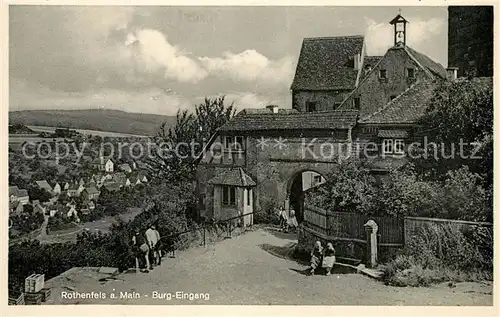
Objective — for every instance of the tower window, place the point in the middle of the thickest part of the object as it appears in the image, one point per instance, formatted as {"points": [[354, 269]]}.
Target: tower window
{"points": [[382, 74], [228, 142], [411, 73], [311, 106], [357, 102]]}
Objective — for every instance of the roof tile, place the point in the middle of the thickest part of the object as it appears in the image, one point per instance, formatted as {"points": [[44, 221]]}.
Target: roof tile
{"points": [[233, 177], [406, 108], [328, 120], [327, 63]]}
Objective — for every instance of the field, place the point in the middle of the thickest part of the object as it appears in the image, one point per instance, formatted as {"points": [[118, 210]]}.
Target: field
{"points": [[39, 129], [93, 119]]}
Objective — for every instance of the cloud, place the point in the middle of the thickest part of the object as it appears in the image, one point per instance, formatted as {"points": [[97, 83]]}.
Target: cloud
{"points": [[26, 96], [149, 52], [380, 36], [250, 65], [244, 100]]}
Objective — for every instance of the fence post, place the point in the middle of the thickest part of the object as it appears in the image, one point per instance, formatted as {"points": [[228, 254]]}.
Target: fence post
{"points": [[204, 236], [371, 229]]}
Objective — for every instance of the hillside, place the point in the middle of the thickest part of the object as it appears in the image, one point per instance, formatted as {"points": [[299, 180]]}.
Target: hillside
{"points": [[20, 129], [93, 119]]}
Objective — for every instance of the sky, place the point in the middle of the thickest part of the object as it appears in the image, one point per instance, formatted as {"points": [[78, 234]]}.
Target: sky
{"points": [[161, 59]]}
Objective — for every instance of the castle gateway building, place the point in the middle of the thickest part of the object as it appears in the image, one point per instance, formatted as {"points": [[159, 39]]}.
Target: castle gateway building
{"points": [[342, 99]]}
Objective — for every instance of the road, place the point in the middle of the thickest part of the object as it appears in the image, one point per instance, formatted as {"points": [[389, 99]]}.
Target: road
{"points": [[255, 268]]}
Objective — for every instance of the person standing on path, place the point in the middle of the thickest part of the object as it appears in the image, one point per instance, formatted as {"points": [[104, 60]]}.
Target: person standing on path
{"points": [[283, 219], [292, 220], [158, 245], [141, 250], [316, 256], [152, 241]]}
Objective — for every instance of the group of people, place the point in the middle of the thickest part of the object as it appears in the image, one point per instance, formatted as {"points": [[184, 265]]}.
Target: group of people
{"points": [[287, 219], [322, 258], [147, 249]]}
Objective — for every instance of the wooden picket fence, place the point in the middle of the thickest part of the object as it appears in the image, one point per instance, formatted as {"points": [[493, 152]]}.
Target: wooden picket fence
{"points": [[392, 231], [350, 226]]}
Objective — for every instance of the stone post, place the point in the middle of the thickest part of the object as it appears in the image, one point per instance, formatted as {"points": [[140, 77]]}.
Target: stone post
{"points": [[371, 229]]}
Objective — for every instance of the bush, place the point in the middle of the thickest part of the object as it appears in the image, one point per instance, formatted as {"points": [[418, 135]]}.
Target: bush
{"points": [[267, 214], [351, 189], [404, 192], [27, 221], [442, 253], [59, 222]]}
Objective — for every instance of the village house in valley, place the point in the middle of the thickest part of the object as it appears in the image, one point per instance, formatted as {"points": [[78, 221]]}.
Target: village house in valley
{"points": [[103, 164], [18, 195], [341, 97]]}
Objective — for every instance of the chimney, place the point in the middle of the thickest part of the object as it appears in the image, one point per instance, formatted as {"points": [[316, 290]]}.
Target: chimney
{"points": [[357, 59], [273, 108], [452, 73]]}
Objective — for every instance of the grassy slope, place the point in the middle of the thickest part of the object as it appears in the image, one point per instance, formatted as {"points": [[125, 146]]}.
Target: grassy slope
{"points": [[93, 119]]}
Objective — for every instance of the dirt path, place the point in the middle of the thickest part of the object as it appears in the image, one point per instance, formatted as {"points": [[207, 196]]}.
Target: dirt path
{"points": [[249, 270]]}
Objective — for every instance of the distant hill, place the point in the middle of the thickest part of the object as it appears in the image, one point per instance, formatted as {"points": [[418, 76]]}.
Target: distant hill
{"points": [[93, 119], [20, 129]]}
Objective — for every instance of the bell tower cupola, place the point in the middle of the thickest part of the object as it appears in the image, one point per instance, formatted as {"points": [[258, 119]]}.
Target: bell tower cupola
{"points": [[399, 29]]}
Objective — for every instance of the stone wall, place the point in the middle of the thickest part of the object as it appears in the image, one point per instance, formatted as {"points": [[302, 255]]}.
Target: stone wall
{"points": [[375, 92], [274, 169], [347, 249]]}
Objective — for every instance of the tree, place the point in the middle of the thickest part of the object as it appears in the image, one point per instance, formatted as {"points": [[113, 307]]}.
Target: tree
{"points": [[460, 112], [404, 193], [178, 146], [37, 193], [350, 189]]}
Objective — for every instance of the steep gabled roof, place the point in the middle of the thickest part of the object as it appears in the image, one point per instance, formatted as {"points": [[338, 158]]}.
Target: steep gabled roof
{"points": [[22, 193], [233, 177], [408, 107], [327, 63], [431, 68], [44, 184], [369, 60], [327, 120], [13, 190], [424, 60], [91, 190]]}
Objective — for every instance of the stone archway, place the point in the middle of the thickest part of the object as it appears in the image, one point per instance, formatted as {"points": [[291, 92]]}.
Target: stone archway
{"points": [[295, 190]]}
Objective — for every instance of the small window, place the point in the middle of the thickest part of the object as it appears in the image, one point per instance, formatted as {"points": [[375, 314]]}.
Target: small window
{"points": [[228, 142], [311, 106], [399, 146], [391, 146], [357, 102], [228, 195], [382, 74], [239, 142], [388, 146], [411, 73], [249, 197], [317, 179]]}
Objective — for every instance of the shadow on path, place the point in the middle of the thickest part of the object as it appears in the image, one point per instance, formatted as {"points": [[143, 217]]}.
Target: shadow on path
{"points": [[285, 252], [275, 231]]}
